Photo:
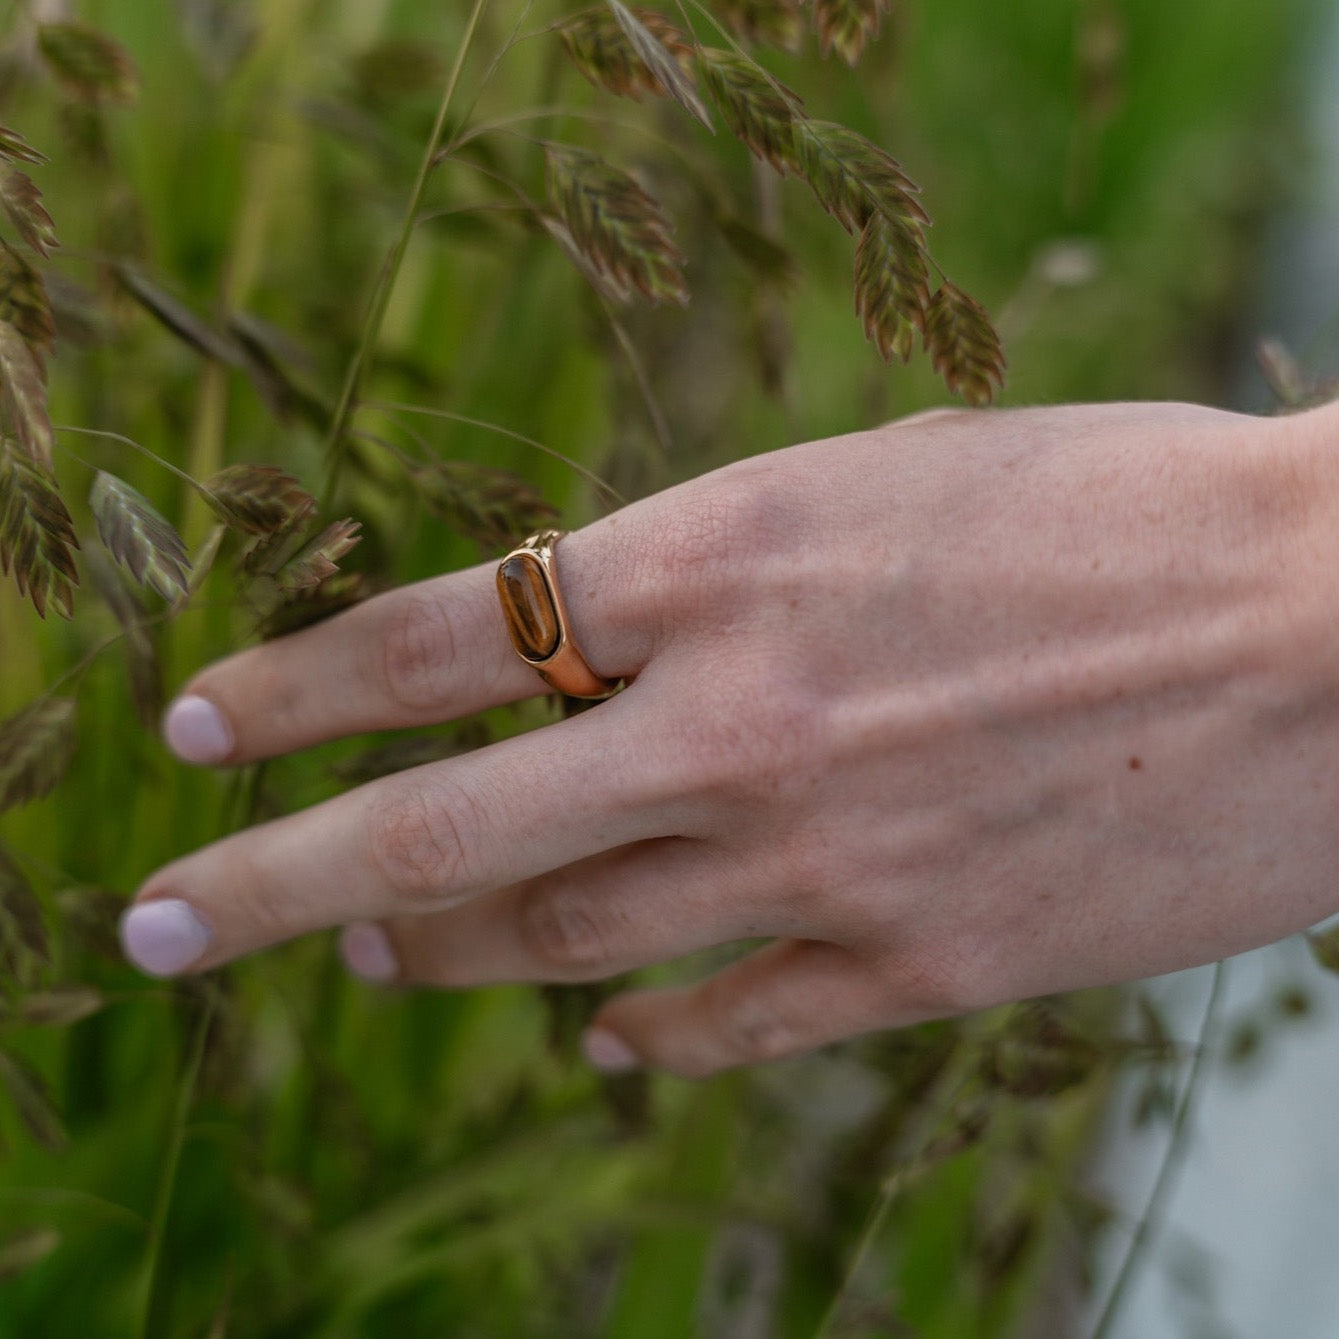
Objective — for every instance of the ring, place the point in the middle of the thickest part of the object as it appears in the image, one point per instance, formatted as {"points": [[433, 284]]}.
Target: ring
{"points": [[532, 604]]}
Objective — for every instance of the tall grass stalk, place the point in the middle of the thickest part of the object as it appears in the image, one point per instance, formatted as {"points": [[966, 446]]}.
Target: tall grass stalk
{"points": [[1146, 1230], [385, 283], [167, 1180]]}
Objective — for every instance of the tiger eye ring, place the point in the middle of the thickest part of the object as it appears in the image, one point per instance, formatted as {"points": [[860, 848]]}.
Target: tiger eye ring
{"points": [[532, 605]]}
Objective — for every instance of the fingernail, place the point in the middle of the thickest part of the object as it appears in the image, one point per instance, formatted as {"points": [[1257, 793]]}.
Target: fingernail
{"points": [[608, 1053], [196, 731], [164, 937], [368, 953]]}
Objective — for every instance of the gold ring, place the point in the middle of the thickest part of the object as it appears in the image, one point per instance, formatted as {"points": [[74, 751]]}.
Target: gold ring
{"points": [[532, 604]]}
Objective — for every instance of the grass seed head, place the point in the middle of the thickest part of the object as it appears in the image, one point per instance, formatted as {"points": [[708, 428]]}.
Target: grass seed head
{"points": [[963, 345], [621, 231], [37, 539]]}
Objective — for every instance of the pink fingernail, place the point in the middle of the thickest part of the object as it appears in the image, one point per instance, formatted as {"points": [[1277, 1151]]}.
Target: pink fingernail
{"points": [[609, 1053], [196, 731], [165, 937], [368, 953]]}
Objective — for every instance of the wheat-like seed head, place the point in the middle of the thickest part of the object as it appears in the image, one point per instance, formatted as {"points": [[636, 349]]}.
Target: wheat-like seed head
{"points": [[37, 539], [598, 42], [138, 536], [318, 559], [759, 110], [494, 508], [36, 745], [892, 284], [778, 23], [24, 947], [87, 63], [963, 345], [22, 203], [617, 227], [17, 149], [846, 26], [258, 499]]}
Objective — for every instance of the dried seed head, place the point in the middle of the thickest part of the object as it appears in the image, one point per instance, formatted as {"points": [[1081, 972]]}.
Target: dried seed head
{"points": [[331, 597], [778, 23], [617, 227], [492, 507], [602, 47], [22, 202], [319, 558], [759, 110], [37, 538], [36, 745], [963, 345], [138, 536], [853, 178], [24, 946], [23, 397], [17, 149], [27, 1091], [24, 303], [892, 284], [259, 499], [847, 25], [87, 63]]}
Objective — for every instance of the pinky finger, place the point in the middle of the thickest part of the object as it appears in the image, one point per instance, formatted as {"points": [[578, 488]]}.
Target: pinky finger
{"points": [[791, 997]]}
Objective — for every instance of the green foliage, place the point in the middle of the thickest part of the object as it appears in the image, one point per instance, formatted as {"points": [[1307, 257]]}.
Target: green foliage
{"points": [[298, 359]]}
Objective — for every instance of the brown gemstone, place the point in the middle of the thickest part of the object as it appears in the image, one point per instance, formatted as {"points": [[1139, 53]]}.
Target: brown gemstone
{"points": [[529, 606]]}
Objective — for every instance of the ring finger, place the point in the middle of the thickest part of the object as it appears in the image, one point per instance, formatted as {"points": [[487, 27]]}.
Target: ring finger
{"points": [[612, 913]]}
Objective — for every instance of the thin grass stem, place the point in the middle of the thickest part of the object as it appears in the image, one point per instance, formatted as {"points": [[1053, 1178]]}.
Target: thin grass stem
{"points": [[1173, 1159], [391, 406], [659, 423], [381, 296], [176, 1140]]}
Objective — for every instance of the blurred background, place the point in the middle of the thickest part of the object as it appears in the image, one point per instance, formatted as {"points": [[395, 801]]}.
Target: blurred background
{"points": [[1137, 192]]}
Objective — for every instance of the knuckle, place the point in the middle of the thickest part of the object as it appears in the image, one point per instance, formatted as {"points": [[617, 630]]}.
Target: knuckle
{"points": [[417, 845], [711, 540], [751, 1028], [565, 932], [418, 652]]}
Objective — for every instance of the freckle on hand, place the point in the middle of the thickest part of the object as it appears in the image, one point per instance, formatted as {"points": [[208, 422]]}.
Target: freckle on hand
{"points": [[1136, 763]]}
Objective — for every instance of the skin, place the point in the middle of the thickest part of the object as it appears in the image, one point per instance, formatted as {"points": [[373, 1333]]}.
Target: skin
{"points": [[970, 708]]}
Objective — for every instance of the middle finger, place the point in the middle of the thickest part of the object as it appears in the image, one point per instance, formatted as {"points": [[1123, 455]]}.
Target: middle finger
{"points": [[421, 840]]}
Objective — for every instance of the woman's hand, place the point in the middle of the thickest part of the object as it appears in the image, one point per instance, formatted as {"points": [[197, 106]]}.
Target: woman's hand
{"points": [[970, 708]]}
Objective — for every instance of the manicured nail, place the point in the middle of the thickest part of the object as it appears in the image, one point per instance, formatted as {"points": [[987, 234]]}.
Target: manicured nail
{"points": [[368, 953], [609, 1053], [196, 731], [164, 937]]}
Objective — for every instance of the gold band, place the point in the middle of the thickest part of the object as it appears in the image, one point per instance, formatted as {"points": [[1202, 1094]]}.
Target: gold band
{"points": [[532, 604]]}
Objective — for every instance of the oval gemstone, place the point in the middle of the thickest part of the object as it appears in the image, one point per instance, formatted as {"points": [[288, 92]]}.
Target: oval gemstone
{"points": [[529, 606]]}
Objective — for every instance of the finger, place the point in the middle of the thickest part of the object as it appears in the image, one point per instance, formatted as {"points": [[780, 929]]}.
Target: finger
{"points": [[418, 841], [434, 651], [788, 998], [624, 909]]}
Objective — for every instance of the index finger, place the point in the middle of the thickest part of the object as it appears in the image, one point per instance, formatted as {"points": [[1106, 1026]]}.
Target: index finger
{"points": [[428, 652]]}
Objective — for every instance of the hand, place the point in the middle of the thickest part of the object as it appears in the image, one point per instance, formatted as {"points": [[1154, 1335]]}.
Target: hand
{"points": [[970, 708]]}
